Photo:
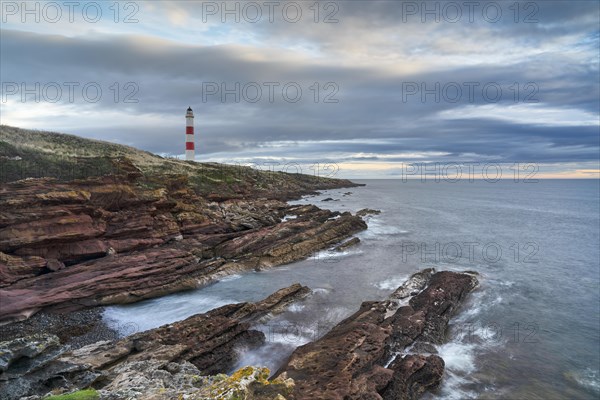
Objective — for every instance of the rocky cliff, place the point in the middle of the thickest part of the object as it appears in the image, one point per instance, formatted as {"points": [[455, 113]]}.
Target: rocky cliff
{"points": [[125, 225], [149, 227], [66, 245]]}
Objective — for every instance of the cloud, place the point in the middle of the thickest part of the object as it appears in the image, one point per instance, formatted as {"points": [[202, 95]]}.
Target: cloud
{"points": [[391, 80]]}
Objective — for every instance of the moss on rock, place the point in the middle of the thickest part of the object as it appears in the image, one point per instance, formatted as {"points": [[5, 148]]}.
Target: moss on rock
{"points": [[87, 394]]}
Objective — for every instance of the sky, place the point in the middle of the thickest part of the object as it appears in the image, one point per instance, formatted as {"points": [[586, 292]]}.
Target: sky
{"points": [[354, 89]]}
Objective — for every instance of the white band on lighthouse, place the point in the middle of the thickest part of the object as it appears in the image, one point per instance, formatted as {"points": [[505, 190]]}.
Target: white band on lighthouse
{"points": [[189, 135]]}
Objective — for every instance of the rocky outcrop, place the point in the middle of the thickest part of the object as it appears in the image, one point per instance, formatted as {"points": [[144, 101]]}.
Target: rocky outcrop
{"points": [[112, 240], [13, 269], [29, 347], [367, 355], [367, 211], [143, 380], [383, 351], [247, 383], [203, 344], [347, 244]]}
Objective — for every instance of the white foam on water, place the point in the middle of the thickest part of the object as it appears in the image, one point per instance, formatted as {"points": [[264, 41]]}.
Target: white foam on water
{"points": [[157, 312], [230, 278], [280, 341], [458, 356], [589, 379], [290, 339], [496, 282], [391, 283], [270, 355], [469, 337], [453, 388], [376, 229], [288, 217], [480, 302], [326, 255], [296, 307]]}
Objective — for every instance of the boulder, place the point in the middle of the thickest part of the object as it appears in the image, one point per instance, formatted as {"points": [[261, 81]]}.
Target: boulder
{"points": [[367, 211]]}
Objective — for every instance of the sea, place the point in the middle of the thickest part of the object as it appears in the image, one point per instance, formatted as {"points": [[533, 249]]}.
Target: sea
{"points": [[529, 331]]}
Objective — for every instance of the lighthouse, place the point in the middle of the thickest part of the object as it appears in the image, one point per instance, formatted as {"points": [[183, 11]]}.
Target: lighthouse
{"points": [[189, 135]]}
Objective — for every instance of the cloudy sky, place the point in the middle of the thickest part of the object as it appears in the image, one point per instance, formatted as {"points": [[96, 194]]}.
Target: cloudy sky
{"points": [[369, 87]]}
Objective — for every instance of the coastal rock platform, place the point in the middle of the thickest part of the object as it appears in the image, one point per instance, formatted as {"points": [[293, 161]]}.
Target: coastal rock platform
{"points": [[112, 240], [369, 356]]}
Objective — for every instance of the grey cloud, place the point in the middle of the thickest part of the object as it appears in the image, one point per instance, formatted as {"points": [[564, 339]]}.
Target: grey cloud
{"points": [[170, 76]]}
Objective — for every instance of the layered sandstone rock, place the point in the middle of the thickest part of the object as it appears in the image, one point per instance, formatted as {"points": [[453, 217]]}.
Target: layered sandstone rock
{"points": [[115, 240], [383, 351], [366, 356], [203, 344]]}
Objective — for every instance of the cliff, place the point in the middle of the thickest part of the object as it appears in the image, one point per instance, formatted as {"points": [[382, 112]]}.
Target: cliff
{"points": [[143, 230], [37, 154]]}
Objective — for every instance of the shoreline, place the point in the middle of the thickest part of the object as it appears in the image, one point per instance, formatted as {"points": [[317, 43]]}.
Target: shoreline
{"points": [[192, 356], [74, 329], [107, 242]]}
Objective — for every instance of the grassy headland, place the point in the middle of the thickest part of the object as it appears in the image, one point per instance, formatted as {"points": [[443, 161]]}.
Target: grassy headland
{"points": [[33, 154]]}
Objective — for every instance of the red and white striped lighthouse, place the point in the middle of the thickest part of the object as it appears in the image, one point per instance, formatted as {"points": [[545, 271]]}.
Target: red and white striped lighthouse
{"points": [[189, 135]]}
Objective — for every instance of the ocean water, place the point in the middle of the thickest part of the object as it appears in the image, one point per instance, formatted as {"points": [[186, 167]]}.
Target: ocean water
{"points": [[530, 331]]}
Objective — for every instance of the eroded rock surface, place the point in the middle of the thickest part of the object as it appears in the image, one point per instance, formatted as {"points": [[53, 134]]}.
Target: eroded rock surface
{"points": [[201, 345], [110, 240], [365, 355]]}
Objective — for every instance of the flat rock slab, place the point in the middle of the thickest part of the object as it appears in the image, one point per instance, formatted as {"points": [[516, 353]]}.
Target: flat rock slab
{"points": [[363, 356]]}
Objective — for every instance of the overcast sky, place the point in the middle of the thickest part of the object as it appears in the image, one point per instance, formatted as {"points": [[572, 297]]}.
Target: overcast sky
{"points": [[369, 86]]}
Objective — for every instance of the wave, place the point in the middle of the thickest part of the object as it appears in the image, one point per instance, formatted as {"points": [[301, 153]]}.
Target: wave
{"points": [[392, 283], [329, 254], [230, 278], [322, 291], [296, 307], [376, 229], [458, 356], [587, 379], [453, 388]]}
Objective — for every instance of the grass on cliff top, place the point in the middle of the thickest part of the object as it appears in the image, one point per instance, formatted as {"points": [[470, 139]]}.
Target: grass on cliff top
{"points": [[30, 153], [87, 394]]}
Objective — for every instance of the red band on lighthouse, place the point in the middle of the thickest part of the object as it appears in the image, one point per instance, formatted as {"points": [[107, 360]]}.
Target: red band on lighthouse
{"points": [[189, 135]]}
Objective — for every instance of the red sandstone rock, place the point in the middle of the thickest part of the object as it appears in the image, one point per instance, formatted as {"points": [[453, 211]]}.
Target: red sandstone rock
{"points": [[210, 341], [14, 268], [120, 243], [349, 362]]}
